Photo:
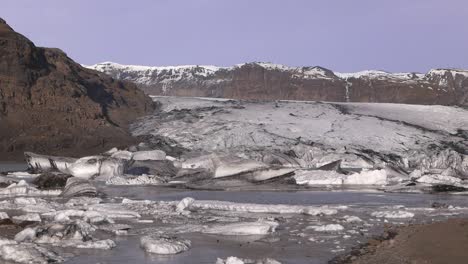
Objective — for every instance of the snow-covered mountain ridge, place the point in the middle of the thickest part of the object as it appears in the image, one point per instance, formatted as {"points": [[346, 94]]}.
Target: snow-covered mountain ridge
{"points": [[260, 80]]}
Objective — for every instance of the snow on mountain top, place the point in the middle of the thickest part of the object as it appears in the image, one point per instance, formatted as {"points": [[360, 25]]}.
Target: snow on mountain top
{"points": [[114, 65], [443, 72], [184, 71], [379, 74]]}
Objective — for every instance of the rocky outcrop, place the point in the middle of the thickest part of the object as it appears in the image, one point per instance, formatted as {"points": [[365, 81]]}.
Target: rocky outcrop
{"points": [[49, 103], [274, 82]]}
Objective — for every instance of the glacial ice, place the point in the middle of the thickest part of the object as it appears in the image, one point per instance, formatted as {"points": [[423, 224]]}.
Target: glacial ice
{"points": [[164, 245]]}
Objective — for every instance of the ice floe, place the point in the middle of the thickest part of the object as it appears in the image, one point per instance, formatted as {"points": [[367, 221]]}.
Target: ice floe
{"points": [[393, 214], [263, 208], [244, 228], [326, 228]]}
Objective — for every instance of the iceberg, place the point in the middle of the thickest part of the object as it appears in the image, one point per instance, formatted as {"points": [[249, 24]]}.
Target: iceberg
{"points": [[164, 245]]}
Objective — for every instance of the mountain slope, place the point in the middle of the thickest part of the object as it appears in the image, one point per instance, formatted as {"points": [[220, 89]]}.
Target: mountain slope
{"points": [[49, 103], [272, 81]]}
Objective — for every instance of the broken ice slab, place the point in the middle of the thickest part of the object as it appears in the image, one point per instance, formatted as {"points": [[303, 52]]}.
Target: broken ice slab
{"points": [[41, 163], [85, 167]]}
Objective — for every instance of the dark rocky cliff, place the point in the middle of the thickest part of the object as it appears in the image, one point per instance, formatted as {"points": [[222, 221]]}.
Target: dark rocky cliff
{"points": [[49, 103], [273, 82]]}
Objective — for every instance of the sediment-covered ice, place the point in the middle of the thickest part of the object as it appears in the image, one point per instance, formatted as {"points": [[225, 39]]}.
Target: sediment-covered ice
{"points": [[164, 245], [135, 180], [73, 234]]}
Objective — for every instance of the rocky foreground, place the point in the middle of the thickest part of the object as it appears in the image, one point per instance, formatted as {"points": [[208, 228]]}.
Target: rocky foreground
{"points": [[49, 103]]}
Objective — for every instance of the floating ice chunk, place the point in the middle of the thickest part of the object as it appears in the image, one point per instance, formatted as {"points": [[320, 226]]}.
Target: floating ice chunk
{"points": [[262, 208], [42, 163], [83, 201], [78, 187], [112, 151], [22, 188], [320, 177], [393, 214], [26, 235], [136, 180], [22, 174], [27, 254], [367, 177], [326, 228], [352, 218], [184, 203], [243, 228], [267, 174], [235, 260], [114, 211], [149, 155], [27, 218], [201, 162], [439, 179], [25, 200], [235, 167], [100, 244], [97, 166], [75, 234], [230, 260], [4, 216], [164, 245], [122, 154]]}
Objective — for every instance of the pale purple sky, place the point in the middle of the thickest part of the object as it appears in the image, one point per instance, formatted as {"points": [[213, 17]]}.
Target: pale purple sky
{"points": [[346, 35]]}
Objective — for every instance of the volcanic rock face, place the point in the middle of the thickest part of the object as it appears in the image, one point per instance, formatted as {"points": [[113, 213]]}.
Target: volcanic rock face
{"points": [[49, 103], [274, 82]]}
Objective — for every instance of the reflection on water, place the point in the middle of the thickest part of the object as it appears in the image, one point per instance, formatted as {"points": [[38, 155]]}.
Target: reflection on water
{"points": [[12, 166]]}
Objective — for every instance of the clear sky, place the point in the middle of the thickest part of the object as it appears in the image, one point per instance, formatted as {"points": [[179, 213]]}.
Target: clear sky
{"points": [[343, 35]]}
